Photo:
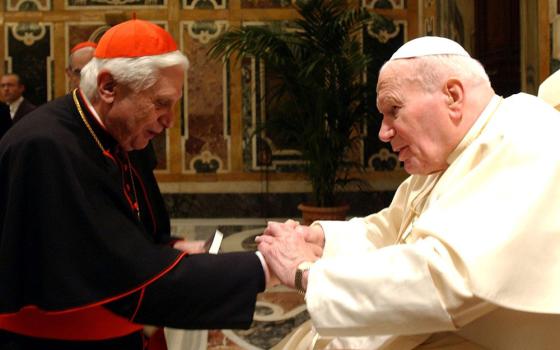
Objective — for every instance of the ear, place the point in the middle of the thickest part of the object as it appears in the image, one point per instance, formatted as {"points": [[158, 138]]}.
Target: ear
{"points": [[455, 93], [106, 87]]}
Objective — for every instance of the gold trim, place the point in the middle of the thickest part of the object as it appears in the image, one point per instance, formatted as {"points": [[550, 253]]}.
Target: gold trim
{"points": [[135, 205], [82, 115]]}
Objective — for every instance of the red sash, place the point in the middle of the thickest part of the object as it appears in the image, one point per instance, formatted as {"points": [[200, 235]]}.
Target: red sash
{"points": [[92, 323]]}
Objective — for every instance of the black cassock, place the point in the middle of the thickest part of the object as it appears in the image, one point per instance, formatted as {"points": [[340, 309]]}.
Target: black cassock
{"points": [[78, 263]]}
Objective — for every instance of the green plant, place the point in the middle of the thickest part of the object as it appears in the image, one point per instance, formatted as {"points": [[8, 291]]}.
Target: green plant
{"points": [[319, 103]]}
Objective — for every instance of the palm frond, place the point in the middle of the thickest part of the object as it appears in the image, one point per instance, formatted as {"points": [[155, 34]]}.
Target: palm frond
{"points": [[322, 95]]}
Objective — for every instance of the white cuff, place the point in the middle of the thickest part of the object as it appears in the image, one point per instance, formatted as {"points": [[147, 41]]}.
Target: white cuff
{"points": [[265, 267]]}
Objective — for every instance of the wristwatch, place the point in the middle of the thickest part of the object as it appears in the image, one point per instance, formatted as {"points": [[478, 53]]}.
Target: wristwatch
{"points": [[302, 267]]}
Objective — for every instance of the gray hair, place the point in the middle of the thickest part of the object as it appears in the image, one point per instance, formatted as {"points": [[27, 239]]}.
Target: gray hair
{"points": [[431, 70], [138, 73]]}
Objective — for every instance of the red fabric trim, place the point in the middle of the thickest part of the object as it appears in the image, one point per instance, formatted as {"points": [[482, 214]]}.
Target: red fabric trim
{"points": [[157, 341], [134, 290], [139, 303], [133, 205], [93, 323], [116, 297], [87, 322], [108, 154]]}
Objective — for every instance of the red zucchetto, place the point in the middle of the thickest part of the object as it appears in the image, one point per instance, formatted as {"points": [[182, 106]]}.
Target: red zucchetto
{"points": [[135, 38], [82, 45]]}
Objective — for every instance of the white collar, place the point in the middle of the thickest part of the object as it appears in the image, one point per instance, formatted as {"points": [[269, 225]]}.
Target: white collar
{"points": [[476, 129], [92, 110], [14, 106]]}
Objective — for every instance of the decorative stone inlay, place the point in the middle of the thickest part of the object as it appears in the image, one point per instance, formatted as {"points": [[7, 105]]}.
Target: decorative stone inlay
{"points": [[205, 4], [28, 32], [29, 53], [385, 29], [206, 162], [204, 31], [29, 5], [262, 4], [106, 3], [384, 160], [383, 4]]}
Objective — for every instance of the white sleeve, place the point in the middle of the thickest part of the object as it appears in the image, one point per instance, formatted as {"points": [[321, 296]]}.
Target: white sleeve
{"points": [[360, 235], [399, 289], [345, 237]]}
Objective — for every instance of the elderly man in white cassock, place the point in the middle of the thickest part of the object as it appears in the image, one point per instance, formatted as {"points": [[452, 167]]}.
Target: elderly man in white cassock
{"points": [[549, 90], [467, 255]]}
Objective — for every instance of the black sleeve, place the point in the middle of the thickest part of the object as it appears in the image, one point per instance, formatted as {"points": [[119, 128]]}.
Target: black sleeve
{"points": [[203, 291]]}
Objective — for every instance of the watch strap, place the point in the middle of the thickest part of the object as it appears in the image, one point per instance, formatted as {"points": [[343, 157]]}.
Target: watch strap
{"points": [[298, 280]]}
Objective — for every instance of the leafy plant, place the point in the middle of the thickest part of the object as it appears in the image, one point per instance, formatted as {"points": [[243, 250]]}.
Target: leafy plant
{"points": [[319, 103]]}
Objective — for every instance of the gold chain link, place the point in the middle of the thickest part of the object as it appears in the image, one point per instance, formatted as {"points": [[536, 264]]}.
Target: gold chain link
{"points": [[75, 96]]}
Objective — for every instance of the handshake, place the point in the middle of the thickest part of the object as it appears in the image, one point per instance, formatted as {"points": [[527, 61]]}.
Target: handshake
{"points": [[284, 246], [288, 247]]}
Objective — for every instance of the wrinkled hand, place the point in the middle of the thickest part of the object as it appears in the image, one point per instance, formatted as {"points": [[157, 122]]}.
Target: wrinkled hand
{"points": [[273, 280], [191, 247], [284, 249], [311, 234]]}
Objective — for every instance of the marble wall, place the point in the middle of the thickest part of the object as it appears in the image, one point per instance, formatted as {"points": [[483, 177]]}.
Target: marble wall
{"points": [[212, 141]]}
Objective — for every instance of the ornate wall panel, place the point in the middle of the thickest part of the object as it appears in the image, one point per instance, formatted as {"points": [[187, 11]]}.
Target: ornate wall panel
{"points": [[428, 12], [205, 4], [380, 39], [77, 32], [28, 5], [206, 128], [262, 152], [383, 4], [263, 4], [113, 3], [28, 52], [222, 106]]}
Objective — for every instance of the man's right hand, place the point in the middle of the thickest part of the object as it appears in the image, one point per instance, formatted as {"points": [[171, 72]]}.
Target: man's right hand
{"points": [[284, 250]]}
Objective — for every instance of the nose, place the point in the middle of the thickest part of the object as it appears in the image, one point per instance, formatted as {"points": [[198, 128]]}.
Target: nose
{"points": [[386, 131]]}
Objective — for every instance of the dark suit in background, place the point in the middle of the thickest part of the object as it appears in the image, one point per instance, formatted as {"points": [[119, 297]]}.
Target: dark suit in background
{"points": [[24, 108], [5, 119]]}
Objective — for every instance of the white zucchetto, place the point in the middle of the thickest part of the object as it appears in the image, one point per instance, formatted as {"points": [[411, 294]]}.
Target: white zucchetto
{"points": [[429, 45]]}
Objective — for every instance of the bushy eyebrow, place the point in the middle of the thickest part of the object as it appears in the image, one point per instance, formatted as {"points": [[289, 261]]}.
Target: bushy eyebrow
{"points": [[388, 99]]}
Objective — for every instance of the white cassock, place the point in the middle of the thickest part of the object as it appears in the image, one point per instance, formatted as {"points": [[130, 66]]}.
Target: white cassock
{"points": [[468, 258]]}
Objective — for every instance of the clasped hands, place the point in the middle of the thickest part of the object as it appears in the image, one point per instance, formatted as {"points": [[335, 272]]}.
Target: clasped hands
{"points": [[283, 245], [286, 245]]}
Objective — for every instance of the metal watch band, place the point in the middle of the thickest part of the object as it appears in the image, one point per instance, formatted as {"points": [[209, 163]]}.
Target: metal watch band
{"points": [[298, 280]]}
